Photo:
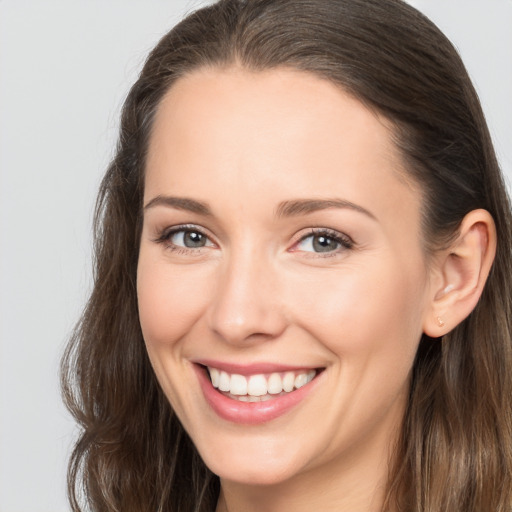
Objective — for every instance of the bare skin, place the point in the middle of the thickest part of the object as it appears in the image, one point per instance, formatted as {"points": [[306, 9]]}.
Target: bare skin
{"points": [[291, 238]]}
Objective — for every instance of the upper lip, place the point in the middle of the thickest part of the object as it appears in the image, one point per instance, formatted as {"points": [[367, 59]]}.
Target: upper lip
{"points": [[252, 368]]}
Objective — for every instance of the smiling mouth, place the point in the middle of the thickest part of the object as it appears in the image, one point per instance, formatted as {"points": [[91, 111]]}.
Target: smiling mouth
{"points": [[259, 387]]}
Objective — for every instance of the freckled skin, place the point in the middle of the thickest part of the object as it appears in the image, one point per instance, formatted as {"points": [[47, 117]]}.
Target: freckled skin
{"points": [[244, 142]]}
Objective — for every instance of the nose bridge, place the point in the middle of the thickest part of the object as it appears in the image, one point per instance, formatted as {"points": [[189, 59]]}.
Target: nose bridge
{"points": [[245, 306]]}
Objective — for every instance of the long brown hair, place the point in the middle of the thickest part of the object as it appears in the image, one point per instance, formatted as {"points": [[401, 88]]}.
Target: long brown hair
{"points": [[455, 449]]}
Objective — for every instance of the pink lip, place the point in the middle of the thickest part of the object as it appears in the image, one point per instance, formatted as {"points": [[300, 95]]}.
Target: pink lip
{"points": [[251, 369], [250, 413]]}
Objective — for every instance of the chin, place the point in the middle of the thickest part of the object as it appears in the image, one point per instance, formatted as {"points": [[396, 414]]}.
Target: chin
{"points": [[251, 464], [249, 474]]}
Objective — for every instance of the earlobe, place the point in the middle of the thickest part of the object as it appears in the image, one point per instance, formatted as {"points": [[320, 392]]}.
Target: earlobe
{"points": [[460, 273]]}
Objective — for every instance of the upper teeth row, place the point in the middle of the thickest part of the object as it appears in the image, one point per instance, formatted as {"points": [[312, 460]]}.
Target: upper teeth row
{"points": [[259, 385]]}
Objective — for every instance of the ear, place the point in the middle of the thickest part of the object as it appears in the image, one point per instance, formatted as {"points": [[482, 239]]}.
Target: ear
{"points": [[459, 274]]}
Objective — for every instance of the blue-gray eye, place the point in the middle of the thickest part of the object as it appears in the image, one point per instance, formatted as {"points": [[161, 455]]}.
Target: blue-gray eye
{"points": [[322, 243], [190, 239]]}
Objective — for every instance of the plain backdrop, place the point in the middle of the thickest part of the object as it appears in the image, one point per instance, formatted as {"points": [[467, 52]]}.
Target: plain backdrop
{"points": [[65, 67]]}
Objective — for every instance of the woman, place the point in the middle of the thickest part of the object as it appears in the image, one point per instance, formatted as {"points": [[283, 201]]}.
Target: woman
{"points": [[302, 282]]}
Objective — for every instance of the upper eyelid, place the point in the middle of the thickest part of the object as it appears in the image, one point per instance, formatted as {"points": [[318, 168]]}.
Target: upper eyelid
{"points": [[185, 227], [333, 233], [167, 232]]}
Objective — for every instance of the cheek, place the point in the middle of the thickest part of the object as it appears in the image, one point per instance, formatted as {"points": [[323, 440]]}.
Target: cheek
{"points": [[375, 309], [170, 300]]}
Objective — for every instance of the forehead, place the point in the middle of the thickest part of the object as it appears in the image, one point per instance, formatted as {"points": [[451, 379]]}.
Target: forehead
{"points": [[265, 109], [273, 134]]}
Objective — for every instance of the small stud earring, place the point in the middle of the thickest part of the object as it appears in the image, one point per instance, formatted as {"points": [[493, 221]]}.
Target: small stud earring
{"points": [[440, 321]]}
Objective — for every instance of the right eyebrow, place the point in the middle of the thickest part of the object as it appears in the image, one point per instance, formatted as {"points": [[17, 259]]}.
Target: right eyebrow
{"points": [[180, 203]]}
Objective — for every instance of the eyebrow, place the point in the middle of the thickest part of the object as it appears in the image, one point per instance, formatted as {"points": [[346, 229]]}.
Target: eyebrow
{"points": [[305, 206], [180, 203], [290, 208]]}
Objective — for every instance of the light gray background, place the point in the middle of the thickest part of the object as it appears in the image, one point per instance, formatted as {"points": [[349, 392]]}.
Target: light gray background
{"points": [[65, 67]]}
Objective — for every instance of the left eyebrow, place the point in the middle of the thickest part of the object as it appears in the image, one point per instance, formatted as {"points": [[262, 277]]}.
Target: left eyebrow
{"points": [[304, 206]]}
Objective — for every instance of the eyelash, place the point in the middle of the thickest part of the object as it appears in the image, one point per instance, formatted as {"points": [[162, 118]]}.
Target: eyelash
{"points": [[166, 235], [344, 241]]}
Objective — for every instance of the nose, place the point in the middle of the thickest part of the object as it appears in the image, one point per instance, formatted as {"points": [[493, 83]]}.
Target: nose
{"points": [[246, 307]]}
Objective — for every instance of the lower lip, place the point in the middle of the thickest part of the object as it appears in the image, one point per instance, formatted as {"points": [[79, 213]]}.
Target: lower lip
{"points": [[250, 413]]}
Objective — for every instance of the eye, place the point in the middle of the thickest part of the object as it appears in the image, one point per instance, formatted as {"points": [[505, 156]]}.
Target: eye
{"points": [[188, 238], [324, 241], [185, 238]]}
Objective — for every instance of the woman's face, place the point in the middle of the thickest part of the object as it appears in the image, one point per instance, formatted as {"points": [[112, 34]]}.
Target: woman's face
{"points": [[281, 248]]}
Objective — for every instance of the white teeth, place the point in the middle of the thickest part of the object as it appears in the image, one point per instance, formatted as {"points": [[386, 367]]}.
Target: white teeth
{"points": [[224, 381], [258, 388], [257, 385], [275, 384], [238, 385], [301, 380], [214, 375], [288, 381]]}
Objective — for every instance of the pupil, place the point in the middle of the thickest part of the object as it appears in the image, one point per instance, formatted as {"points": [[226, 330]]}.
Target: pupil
{"points": [[324, 244], [194, 239]]}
